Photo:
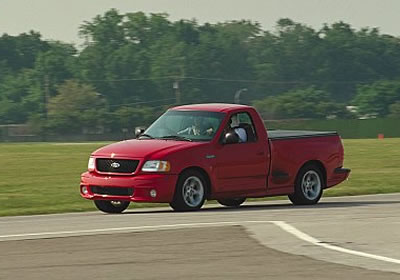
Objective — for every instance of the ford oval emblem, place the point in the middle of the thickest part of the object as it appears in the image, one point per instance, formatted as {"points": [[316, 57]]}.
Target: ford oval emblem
{"points": [[115, 165]]}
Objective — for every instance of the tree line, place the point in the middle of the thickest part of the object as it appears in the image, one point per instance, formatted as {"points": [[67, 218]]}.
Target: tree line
{"points": [[134, 65]]}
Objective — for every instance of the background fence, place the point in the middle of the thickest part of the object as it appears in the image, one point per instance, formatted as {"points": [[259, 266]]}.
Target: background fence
{"points": [[350, 129], [357, 129]]}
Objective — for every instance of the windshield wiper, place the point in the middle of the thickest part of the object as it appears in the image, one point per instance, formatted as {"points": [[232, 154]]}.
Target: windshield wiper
{"points": [[148, 136], [175, 137]]}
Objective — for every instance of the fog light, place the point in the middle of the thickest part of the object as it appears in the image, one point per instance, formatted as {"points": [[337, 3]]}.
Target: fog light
{"points": [[153, 193], [85, 190]]}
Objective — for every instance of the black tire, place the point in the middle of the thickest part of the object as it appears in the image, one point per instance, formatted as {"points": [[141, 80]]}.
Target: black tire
{"points": [[190, 191], [112, 207], [309, 186], [231, 202]]}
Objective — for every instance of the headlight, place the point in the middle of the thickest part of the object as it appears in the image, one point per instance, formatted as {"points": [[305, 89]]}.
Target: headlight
{"points": [[156, 166], [91, 164]]}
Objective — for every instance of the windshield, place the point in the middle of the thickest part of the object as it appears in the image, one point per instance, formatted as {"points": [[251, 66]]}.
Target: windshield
{"points": [[186, 125]]}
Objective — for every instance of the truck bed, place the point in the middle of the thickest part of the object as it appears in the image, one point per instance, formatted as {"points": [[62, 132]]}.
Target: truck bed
{"points": [[295, 134]]}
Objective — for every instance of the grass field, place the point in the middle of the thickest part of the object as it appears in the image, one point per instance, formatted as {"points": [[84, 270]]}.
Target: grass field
{"points": [[44, 177]]}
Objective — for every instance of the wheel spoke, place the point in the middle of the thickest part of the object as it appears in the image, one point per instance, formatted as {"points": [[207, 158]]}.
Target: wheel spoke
{"points": [[314, 187], [193, 191], [311, 185]]}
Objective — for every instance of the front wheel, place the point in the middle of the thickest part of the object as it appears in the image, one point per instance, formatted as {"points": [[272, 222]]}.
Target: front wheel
{"points": [[190, 192], [231, 202], [111, 206], [308, 186]]}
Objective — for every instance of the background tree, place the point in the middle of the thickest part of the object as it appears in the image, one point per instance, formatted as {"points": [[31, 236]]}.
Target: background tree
{"points": [[20, 96], [376, 99], [302, 103], [127, 118], [134, 58], [76, 106], [55, 65], [394, 110], [20, 52]]}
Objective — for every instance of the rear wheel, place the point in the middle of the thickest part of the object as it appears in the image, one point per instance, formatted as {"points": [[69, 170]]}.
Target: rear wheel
{"points": [[111, 206], [231, 202], [190, 192], [308, 186]]}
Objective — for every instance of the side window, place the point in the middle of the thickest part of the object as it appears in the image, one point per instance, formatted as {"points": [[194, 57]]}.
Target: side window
{"points": [[245, 118], [243, 122]]}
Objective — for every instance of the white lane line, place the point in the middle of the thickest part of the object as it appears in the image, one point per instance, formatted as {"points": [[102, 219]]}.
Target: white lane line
{"points": [[281, 224], [303, 236], [120, 229]]}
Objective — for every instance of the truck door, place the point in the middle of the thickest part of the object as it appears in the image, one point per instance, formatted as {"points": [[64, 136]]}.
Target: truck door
{"points": [[243, 166]]}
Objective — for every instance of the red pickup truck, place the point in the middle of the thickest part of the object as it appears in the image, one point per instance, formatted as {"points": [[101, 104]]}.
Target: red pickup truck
{"points": [[213, 151]]}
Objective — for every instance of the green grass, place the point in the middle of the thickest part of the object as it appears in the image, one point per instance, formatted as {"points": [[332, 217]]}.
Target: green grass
{"points": [[44, 178], [375, 167]]}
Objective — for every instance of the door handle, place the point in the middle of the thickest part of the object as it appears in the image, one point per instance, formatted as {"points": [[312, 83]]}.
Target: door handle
{"points": [[260, 153]]}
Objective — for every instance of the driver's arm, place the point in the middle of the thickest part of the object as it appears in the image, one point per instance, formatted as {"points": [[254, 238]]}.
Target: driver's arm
{"points": [[185, 131]]}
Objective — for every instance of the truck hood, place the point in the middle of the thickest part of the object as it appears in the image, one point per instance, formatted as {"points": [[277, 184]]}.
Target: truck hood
{"points": [[143, 148]]}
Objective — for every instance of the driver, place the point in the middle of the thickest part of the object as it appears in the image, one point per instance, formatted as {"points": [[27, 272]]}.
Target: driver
{"points": [[197, 128]]}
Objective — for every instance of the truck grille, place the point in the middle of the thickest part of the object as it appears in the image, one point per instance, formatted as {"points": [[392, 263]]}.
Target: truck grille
{"points": [[116, 165], [112, 191]]}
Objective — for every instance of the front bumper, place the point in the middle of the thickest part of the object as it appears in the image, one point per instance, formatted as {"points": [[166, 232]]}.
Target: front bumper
{"points": [[142, 185]]}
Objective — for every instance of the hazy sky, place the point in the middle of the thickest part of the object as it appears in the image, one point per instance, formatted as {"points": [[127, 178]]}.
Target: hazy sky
{"points": [[60, 20]]}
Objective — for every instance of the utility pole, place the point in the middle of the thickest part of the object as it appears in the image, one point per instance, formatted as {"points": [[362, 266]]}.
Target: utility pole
{"points": [[46, 98], [178, 79], [46, 95]]}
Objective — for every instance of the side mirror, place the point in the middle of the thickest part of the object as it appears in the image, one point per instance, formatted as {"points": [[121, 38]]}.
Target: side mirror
{"points": [[139, 131], [231, 138]]}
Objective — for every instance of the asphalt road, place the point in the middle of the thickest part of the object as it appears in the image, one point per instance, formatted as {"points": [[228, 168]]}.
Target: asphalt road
{"points": [[348, 238]]}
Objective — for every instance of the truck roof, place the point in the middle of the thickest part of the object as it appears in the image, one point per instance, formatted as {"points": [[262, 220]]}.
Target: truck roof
{"points": [[211, 107]]}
